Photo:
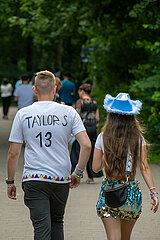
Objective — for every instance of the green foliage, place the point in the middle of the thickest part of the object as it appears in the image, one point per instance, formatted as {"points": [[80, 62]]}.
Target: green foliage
{"points": [[155, 159], [147, 86], [147, 75], [124, 37]]}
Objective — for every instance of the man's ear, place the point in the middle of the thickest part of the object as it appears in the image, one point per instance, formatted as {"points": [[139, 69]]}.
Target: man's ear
{"points": [[54, 89], [34, 90]]}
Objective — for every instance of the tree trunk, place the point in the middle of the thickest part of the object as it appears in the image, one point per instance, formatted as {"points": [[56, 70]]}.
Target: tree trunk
{"points": [[29, 53], [59, 53]]}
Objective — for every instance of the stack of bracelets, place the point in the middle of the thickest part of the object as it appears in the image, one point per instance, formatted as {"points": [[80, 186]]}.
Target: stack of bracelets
{"points": [[78, 173], [153, 194]]}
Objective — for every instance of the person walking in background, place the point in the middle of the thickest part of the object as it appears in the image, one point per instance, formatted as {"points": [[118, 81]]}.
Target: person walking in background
{"points": [[6, 93], [67, 90], [88, 110], [46, 126], [23, 94], [59, 85], [122, 133], [18, 83]]}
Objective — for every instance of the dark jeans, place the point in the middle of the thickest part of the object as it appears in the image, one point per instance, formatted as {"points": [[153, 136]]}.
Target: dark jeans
{"points": [[6, 101], [46, 202]]}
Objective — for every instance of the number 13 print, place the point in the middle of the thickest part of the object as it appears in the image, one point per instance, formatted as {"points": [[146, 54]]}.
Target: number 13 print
{"points": [[48, 137]]}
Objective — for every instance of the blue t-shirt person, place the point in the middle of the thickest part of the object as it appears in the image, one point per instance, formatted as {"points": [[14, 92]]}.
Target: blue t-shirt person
{"points": [[25, 95], [66, 91]]}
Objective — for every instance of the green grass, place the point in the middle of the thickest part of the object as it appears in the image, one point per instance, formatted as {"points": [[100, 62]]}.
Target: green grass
{"points": [[154, 158]]}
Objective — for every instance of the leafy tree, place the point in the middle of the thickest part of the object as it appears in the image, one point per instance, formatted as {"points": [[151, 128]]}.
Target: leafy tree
{"points": [[147, 75], [121, 37]]}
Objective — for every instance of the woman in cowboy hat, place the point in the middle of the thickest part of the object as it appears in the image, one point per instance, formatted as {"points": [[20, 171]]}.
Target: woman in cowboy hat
{"points": [[122, 132]]}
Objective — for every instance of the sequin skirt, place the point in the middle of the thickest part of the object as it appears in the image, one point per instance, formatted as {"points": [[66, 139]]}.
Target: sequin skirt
{"points": [[130, 210]]}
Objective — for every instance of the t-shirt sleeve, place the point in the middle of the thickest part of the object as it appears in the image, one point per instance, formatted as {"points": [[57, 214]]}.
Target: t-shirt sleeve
{"points": [[77, 125], [16, 134], [99, 142]]}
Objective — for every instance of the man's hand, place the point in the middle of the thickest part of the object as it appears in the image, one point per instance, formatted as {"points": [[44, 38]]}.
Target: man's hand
{"points": [[11, 190], [74, 182]]}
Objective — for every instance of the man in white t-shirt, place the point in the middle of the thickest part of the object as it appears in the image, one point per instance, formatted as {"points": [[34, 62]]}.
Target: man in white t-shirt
{"points": [[46, 126]]}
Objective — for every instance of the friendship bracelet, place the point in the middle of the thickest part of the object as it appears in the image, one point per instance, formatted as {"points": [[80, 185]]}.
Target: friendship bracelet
{"points": [[78, 173], [78, 169], [154, 194], [152, 188], [76, 176]]}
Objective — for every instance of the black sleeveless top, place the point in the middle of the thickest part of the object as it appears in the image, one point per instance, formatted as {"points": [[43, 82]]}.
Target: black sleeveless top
{"points": [[88, 111]]}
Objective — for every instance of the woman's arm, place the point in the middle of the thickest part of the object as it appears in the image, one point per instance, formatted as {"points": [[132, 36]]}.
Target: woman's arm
{"points": [[146, 173], [98, 161], [78, 105], [97, 116]]}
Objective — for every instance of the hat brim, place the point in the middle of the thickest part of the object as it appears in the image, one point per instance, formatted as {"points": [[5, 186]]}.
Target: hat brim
{"points": [[127, 107]]}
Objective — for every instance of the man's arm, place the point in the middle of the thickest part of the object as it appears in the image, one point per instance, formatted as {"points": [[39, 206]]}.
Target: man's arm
{"points": [[15, 98], [12, 161], [85, 149]]}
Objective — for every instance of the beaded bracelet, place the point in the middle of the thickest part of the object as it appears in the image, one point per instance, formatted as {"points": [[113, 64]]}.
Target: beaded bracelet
{"points": [[11, 185], [152, 188], [76, 176], [154, 194], [78, 173]]}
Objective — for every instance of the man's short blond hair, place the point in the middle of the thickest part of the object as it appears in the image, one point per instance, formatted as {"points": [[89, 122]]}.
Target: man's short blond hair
{"points": [[44, 82]]}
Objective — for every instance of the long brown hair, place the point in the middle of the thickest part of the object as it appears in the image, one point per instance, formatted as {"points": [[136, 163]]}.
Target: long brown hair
{"points": [[120, 133]]}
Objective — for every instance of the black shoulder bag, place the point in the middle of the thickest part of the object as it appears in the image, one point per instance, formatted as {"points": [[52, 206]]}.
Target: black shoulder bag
{"points": [[116, 194]]}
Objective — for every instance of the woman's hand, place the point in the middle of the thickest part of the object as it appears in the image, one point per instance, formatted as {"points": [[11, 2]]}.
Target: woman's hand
{"points": [[154, 204]]}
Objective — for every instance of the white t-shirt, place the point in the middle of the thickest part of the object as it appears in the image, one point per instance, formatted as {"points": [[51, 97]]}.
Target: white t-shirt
{"points": [[99, 142], [6, 90], [46, 126]]}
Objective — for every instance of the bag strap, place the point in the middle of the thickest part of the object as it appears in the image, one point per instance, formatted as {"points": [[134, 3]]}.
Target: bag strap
{"points": [[128, 170]]}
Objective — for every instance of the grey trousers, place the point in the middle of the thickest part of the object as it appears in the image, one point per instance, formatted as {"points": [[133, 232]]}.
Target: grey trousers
{"points": [[46, 202]]}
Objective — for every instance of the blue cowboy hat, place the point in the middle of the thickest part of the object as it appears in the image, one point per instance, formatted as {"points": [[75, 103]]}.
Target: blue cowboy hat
{"points": [[122, 104]]}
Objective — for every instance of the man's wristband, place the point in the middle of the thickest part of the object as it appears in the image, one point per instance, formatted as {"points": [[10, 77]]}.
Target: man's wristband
{"points": [[78, 173], [9, 182]]}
